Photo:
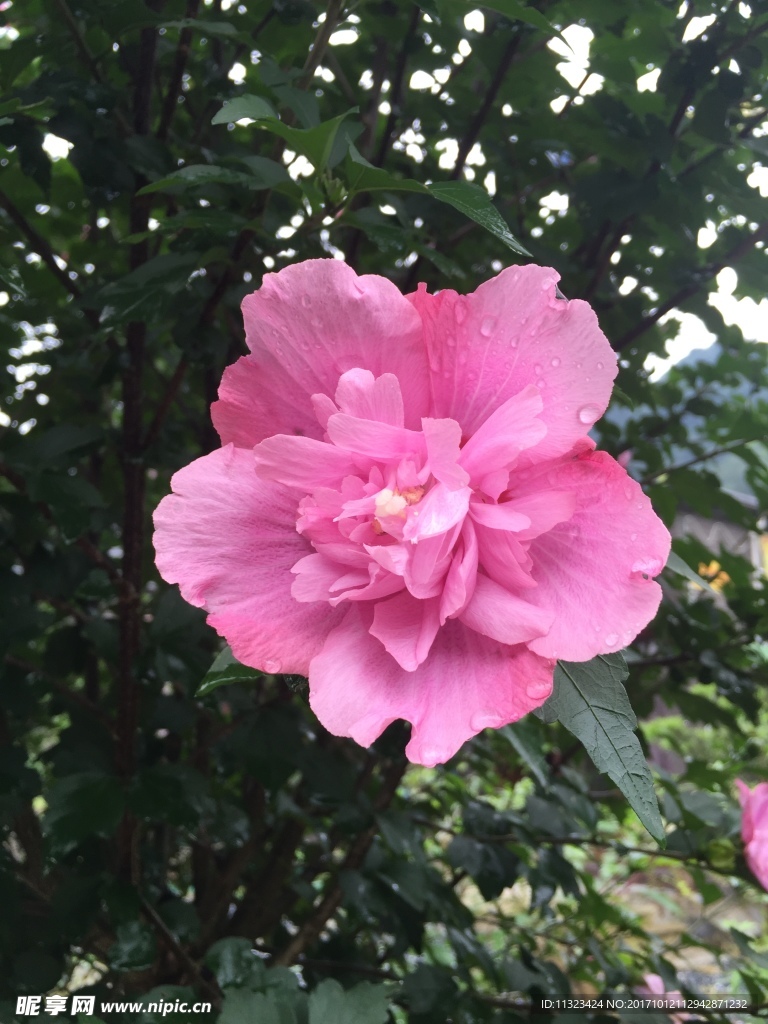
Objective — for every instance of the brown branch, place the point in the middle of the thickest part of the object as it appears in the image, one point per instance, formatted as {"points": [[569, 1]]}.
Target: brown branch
{"points": [[329, 904], [165, 403], [319, 46], [470, 138], [733, 446], [396, 91], [61, 688], [687, 291], [210, 987], [40, 245], [170, 103]]}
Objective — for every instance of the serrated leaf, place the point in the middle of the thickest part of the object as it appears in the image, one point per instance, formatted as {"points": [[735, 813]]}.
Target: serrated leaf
{"points": [[363, 1004], [518, 735], [589, 699], [464, 196], [475, 203], [676, 564], [225, 669]]}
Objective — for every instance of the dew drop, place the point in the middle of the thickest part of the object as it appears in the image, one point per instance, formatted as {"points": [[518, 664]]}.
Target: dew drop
{"points": [[306, 301], [539, 689], [487, 326], [272, 666], [537, 369], [460, 311], [633, 536], [588, 414], [555, 361], [540, 383], [599, 366], [579, 366], [485, 719], [612, 639]]}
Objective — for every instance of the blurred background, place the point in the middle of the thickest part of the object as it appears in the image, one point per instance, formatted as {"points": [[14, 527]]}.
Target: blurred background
{"points": [[221, 845]]}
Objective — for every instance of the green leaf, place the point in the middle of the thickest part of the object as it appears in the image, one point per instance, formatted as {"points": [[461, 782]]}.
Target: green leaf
{"points": [[475, 203], [82, 805], [520, 737], [363, 1004], [464, 196], [247, 105], [323, 145], [676, 564], [516, 11], [134, 949], [218, 29], [742, 941], [197, 175], [226, 669], [589, 699]]}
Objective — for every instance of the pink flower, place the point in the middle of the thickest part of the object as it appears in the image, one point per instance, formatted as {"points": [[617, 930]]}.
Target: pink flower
{"points": [[754, 828], [407, 508]]}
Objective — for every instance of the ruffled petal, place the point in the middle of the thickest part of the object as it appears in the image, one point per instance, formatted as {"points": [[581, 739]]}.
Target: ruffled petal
{"points": [[229, 541], [512, 332], [467, 683], [314, 321], [594, 570], [361, 394], [248, 410], [495, 612], [300, 462], [406, 627]]}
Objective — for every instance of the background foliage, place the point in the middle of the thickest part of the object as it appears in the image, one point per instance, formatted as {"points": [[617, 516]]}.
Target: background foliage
{"points": [[152, 837]]}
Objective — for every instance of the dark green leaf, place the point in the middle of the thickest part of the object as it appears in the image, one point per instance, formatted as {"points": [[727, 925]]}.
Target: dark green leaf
{"points": [[589, 699]]}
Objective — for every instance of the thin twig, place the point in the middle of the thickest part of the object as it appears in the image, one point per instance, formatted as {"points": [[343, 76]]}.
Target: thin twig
{"points": [[733, 446], [687, 291], [332, 17], [170, 103], [170, 939]]}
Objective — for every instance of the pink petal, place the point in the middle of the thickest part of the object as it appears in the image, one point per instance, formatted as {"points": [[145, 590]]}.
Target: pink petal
{"points": [[505, 559], [230, 542], [361, 394], [430, 560], [499, 517], [439, 510], [406, 627], [313, 321], [300, 462], [256, 400], [443, 440], [591, 570], [461, 578], [544, 509], [513, 332], [379, 441], [507, 432], [467, 683], [495, 612]]}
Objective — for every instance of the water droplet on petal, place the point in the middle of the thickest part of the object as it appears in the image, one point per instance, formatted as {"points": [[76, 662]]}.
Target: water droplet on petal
{"points": [[588, 414], [537, 369], [460, 311], [599, 366], [273, 666], [539, 689], [487, 326], [555, 361], [612, 639], [485, 719], [306, 301], [430, 757], [633, 536], [541, 383]]}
